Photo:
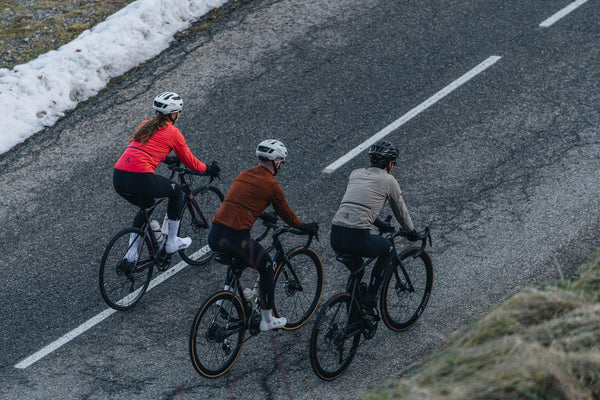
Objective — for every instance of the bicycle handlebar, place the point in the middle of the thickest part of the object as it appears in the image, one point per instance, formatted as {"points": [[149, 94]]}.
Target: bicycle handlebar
{"points": [[280, 230], [175, 167]]}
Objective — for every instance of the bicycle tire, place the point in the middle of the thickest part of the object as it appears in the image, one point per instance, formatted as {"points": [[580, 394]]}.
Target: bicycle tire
{"points": [[402, 305], [298, 287], [209, 198], [123, 284], [210, 351], [329, 357]]}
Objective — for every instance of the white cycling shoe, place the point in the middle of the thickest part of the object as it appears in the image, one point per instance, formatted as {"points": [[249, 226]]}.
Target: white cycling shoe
{"points": [[274, 323], [177, 244]]}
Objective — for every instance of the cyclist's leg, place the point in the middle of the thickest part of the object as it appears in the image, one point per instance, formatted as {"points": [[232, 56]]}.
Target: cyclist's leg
{"points": [[241, 245], [160, 186], [382, 248], [361, 242], [131, 186], [350, 241], [259, 260]]}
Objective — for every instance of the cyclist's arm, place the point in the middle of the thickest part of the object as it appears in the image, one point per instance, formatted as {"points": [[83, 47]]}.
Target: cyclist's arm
{"points": [[184, 153], [398, 206], [282, 208]]}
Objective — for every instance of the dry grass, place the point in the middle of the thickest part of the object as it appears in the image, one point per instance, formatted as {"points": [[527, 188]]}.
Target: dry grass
{"points": [[539, 344], [29, 28]]}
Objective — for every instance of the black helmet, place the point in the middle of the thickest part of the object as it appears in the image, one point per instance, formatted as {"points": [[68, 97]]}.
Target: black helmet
{"points": [[381, 153]]}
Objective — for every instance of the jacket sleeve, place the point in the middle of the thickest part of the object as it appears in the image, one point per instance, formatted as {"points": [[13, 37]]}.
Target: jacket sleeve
{"points": [[183, 152], [282, 208], [398, 206]]}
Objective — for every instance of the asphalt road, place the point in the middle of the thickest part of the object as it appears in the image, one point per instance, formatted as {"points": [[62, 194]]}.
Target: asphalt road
{"points": [[504, 169]]}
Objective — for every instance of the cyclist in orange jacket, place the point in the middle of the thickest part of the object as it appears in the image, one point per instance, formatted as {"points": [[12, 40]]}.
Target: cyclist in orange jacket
{"points": [[134, 178], [250, 194]]}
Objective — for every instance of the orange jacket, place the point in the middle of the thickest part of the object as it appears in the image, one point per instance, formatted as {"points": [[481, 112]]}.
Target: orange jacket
{"points": [[248, 197], [139, 157]]}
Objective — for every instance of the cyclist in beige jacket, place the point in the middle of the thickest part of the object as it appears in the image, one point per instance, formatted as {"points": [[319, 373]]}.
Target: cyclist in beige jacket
{"points": [[367, 191]]}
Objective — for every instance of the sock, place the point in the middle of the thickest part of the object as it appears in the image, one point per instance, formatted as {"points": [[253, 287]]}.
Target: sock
{"points": [[173, 228], [134, 242], [267, 315]]}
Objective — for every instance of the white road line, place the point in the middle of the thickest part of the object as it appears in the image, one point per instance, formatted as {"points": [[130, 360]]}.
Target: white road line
{"points": [[35, 357], [548, 22], [411, 114]]}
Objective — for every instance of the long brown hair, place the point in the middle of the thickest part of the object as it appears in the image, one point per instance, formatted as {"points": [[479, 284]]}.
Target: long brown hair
{"points": [[146, 130]]}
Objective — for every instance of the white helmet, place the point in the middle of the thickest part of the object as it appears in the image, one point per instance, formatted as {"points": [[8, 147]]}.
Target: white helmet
{"points": [[167, 103], [271, 149]]}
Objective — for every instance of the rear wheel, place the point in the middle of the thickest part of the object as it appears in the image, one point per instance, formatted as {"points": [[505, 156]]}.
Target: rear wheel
{"points": [[196, 223], [298, 287], [406, 291], [217, 334], [334, 341], [122, 282]]}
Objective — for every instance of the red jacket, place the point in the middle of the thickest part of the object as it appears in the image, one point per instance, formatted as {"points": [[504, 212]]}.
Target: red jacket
{"points": [[139, 157]]}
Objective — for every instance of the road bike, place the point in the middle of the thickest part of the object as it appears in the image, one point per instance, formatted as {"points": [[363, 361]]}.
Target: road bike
{"points": [[403, 296], [123, 283], [227, 319]]}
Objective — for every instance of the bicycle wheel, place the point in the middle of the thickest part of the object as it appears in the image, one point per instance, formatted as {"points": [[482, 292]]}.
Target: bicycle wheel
{"points": [[217, 334], [406, 290], [333, 341], [195, 223], [123, 283], [298, 287]]}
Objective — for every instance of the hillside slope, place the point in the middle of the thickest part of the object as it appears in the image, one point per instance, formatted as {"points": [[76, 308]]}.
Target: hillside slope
{"points": [[539, 344]]}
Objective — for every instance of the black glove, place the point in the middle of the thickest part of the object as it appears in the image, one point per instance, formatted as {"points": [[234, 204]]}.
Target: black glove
{"points": [[413, 236], [311, 228], [172, 160], [383, 227], [269, 217], [213, 169]]}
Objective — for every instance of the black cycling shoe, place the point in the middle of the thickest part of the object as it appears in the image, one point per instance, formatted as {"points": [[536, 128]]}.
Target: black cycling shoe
{"points": [[370, 311]]}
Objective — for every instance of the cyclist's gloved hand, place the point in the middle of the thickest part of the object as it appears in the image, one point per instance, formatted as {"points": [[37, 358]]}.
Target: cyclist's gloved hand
{"points": [[213, 169], [413, 235], [311, 228], [383, 227], [172, 160], [269, 217]]}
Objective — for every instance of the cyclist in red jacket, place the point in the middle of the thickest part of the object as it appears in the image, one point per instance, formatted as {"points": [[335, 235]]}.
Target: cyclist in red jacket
{"points": [[134, 178]]}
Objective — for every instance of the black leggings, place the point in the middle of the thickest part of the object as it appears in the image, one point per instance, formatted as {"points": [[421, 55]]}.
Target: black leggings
{"points": [[239, 244], [141, 189], [361, 243]]}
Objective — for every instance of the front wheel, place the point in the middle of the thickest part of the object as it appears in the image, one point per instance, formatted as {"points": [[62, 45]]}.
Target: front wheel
{"points": [[124, 280], [195, 223], [298, 287], [217, 334], [335, 336], [406, 290]]}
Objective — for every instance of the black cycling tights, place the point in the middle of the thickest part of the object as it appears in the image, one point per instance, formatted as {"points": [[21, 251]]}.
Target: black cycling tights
{"points": [[362, 243], [239, 244], [141, 189]]}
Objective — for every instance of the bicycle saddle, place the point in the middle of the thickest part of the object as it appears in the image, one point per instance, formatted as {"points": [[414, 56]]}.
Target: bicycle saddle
{"points": [[227, 259], [350, 260]]}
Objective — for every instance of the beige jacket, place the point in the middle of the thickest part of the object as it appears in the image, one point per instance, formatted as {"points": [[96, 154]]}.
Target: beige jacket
{"points": [[367, 191]]}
